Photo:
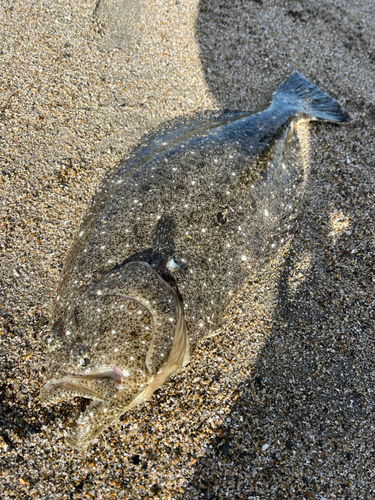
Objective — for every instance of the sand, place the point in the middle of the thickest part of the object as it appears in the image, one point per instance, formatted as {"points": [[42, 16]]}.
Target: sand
{"points": [[280, 404]]}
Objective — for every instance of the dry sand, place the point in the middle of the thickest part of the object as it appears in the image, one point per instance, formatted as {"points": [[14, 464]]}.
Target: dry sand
{"points": [[280, 405]]}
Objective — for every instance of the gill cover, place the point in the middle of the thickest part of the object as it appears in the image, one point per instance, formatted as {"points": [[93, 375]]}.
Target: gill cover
{"points": [[139, 283]]}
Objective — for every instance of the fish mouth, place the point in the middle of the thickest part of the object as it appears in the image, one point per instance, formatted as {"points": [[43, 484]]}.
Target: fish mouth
{"points": [[71, 385]]}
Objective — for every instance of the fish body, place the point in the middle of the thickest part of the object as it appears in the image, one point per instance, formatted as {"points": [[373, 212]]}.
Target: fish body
{"points": [[170, 239]]}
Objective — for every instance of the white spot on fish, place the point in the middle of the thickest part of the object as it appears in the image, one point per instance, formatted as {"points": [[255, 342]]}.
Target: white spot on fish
{"points": [[82, 233], [99, 292], [266, 213]]}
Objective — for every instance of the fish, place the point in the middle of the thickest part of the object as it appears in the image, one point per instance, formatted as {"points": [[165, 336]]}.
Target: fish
{"points": [[170, 239]]}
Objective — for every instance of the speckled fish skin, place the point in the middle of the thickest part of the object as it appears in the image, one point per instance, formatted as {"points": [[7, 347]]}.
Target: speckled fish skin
{"points": [[170, 238]]}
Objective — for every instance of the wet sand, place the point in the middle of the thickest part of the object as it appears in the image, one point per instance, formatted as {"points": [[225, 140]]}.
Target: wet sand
{"points": [[280, 404]]}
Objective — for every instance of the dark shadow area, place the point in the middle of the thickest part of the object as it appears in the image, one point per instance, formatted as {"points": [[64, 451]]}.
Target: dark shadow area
{"points": [[308, 399], [248, 46]]}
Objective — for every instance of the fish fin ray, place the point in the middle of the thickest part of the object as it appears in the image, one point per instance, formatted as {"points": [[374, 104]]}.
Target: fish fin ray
{"points": [[297, 91]]}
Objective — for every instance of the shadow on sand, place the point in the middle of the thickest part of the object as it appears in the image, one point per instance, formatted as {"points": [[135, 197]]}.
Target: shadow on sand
{"points": [[305, 400]]}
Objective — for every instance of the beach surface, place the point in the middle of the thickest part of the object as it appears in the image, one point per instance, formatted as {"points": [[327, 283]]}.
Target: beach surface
{"points": [[279, 405]]}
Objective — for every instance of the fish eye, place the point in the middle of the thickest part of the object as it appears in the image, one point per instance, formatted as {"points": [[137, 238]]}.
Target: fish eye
{"points": [[85, 362], [48, 339]]}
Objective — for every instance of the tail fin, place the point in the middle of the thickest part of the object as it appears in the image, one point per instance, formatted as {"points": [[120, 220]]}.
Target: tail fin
{"points": [[298, 92]]}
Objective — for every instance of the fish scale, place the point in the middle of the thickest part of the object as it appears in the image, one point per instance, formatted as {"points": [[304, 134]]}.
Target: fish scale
{"points": [[170, 239]]}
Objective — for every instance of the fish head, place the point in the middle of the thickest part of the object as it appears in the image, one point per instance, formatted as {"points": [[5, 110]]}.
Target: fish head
{"points": [[115, 346]]}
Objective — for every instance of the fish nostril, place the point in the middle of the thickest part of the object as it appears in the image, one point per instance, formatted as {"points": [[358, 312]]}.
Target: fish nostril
{"points": [[53, 339]]}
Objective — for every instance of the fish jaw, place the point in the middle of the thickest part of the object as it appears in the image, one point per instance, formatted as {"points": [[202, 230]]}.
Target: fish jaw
{"points": [[99, 416], [57, 390], [73, 385]]}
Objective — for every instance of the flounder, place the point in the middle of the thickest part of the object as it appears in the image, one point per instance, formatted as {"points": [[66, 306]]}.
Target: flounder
{"points": [[169, 240]]}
